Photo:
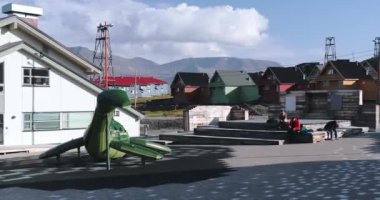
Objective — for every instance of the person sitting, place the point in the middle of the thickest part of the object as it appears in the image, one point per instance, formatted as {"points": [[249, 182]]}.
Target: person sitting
{"points": [[330, 128], [294, 124], [282, 117]]}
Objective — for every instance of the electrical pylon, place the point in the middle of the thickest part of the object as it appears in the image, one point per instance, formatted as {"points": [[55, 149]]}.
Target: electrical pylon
{"points": [[103, 55]]}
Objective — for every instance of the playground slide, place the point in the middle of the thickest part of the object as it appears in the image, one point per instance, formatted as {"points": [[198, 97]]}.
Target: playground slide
{"points": [[94, 138]]}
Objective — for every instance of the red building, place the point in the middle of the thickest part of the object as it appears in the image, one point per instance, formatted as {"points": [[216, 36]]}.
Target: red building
{"points": [[279, 79]]}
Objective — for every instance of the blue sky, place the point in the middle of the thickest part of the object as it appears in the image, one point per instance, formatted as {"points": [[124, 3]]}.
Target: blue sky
{"points": [[301, 25], [286, 31]]}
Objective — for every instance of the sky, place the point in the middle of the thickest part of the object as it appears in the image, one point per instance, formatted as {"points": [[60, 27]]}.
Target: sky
{"points": [[288, 32]]}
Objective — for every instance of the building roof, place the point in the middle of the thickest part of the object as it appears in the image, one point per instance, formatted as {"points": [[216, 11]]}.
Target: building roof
{"points": [[19, 23], [234, 78], [256, 77], [373, 62], [350, 70], [130, 81], [287, 74], [193, 79]]}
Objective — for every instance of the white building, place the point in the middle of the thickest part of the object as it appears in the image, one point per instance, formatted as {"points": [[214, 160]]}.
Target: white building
{"points": [[44, 94], [141, 86]]}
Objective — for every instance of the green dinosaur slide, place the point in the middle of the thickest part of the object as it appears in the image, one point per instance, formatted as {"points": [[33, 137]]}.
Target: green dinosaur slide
{"points": [[94, 138]]}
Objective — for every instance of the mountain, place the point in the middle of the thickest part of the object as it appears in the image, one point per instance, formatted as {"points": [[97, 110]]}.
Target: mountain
{"points": [[124, 66], [210, 64], [121, 66]]}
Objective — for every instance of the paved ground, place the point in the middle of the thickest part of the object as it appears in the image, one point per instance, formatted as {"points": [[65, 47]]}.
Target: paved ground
{"points": [[348, 168]]}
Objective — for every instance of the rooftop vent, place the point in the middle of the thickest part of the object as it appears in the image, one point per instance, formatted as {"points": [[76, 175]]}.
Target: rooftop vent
{"points": [[29, 13]]}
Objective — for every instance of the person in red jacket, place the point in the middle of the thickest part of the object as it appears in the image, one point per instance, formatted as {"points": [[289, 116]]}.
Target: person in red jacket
{"points": [[295, 125]]}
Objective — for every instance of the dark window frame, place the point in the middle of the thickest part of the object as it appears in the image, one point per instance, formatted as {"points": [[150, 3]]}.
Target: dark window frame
{"points": [[35, 77]]}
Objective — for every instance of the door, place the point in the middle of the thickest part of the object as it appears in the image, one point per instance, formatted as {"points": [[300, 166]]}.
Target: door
{"points": [[290, 103]]}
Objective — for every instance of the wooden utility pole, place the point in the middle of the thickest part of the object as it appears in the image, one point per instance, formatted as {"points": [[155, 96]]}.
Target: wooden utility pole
{"points": [[135, 88]]}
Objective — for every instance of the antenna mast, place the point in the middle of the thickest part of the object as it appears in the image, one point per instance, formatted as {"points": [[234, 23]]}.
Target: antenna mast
{"points": [[103, 55], [376, 52], [330, 52]]}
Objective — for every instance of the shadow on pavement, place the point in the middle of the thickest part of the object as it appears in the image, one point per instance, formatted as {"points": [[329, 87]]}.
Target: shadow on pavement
{"points": [[375, 146], [346, 179], [186, 164]]}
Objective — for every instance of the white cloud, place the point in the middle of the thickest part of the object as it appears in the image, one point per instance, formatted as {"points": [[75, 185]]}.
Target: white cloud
{"points": [[161, 34]]}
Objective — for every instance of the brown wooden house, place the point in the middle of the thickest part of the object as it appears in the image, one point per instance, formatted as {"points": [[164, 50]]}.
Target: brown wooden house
{"points": [[279, 79], [343, 74], [190, 88]]}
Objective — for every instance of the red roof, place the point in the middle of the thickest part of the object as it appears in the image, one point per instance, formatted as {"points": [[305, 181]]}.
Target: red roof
{"points": [[130, 80]]}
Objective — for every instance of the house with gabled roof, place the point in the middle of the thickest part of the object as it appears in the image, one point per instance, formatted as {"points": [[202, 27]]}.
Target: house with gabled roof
{"points": [[310, 70], [232, 87], [281, 79], [190, 88], [371, 66], [343, 74], [45, 96]]}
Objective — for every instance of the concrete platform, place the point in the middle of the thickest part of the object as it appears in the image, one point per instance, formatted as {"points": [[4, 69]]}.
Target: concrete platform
{"points": [[217, 140], [317, 136]]}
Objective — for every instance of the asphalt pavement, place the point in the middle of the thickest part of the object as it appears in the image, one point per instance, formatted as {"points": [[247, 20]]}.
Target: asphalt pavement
{"points": [[348, 168]]}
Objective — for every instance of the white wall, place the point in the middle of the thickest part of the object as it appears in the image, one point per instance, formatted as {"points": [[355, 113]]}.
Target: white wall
{"points": [[62, 95], [130, 124], [205, 115]]}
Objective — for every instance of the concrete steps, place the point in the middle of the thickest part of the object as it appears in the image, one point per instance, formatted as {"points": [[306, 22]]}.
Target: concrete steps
{"points": [[241, 133], [245, 132], [316, 115], [249, 125], [217, 140], [246, 125]]}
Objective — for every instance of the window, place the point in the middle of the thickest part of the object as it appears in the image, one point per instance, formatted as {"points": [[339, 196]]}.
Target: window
{"points": [[326, 83], [331, 72], [71, 120], [266, 87], [36, 77], [41, 121], [56, 120]]}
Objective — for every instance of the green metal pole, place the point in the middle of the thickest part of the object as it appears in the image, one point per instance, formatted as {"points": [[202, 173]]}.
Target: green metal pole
{"points": [[108, 145]]}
